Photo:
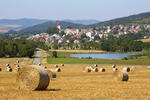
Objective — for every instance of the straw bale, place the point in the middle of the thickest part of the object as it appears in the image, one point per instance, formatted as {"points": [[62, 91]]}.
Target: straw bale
{"points": [[9, 69], [7, 64], [56, 66], [114, 66], [51, 73], [17, 61], [39, 64], [121, 76], [33, 78], [95, 65], [115, 69], [148, 67], [62, 64], [58, 70], [88, 69], [95, 69], [126, 69], [102, 70]]}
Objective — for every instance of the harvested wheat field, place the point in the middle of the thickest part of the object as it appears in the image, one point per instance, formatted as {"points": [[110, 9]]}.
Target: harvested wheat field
{"points": [[74, 84]]}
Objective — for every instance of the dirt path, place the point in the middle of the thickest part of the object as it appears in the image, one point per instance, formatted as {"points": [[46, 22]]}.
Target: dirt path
{"points": [[38, 57]]}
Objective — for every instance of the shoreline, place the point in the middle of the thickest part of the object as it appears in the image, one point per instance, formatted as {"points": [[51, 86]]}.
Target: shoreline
{"points": [[64, 57], [90, 51]]}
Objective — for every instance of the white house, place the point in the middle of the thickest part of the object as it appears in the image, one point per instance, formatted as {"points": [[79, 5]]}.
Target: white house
{"points": [[71, 31]]}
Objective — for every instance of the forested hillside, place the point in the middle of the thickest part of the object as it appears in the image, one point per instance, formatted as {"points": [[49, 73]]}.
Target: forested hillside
{"points": [[84, 22], [44, 26], [143, 18]]}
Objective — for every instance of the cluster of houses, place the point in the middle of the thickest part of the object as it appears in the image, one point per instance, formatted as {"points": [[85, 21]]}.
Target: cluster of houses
{"points": [[117, 30], [91, 34]]}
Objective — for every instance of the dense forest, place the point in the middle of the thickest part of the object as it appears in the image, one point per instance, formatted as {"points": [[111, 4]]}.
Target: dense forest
{"points": [[19, 48]]}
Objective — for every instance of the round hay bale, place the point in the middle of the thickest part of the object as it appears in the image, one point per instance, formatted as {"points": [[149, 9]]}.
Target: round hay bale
{"points": [[148, 67], [114, 66], [102, 70], [33, 78], [121, 76], [56, 66], [95, 70], [92, 67], [58, 70], [88, 69], [39, 64], [7, 64], [62, 64], [17, 61], [51, 73], [95, 65], [17, 67], [45, 67], [115, 69], [126, 69], [9, 69]]}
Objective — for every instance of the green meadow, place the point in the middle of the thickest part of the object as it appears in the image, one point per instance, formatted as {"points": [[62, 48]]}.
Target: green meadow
{"points": [[65, 58]]}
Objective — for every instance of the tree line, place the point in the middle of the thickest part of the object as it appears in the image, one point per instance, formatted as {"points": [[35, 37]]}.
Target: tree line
{"points": [[19, 48], [117, 45], [122, 45]]}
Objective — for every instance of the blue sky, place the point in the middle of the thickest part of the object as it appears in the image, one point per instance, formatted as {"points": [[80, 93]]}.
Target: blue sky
{"points": [[71, 9]]}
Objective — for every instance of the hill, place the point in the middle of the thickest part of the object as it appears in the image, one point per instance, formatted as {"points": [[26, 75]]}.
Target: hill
{"points": [[142, 18], [38, 29], [18, 24], [44, 26], [84, 22]]}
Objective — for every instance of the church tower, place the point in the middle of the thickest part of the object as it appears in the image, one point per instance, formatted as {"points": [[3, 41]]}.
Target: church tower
{"points": [[59, 26]]}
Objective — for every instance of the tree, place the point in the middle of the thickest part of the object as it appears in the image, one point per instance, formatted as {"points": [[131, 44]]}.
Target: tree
{"points": [[11, 49], [96, 37], [62, 33], [2, 48], [52, 30], [68, 36], [55, 46], [54, 54], [69, 27], [83, 36]]}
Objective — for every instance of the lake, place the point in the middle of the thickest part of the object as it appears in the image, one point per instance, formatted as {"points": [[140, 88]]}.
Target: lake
{"points": [[104, 55]]}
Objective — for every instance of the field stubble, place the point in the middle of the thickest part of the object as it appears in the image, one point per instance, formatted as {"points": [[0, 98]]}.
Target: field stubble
{"points": [[74, 84]]}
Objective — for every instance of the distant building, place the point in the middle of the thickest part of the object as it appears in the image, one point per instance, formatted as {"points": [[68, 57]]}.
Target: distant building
{"points": [[89, 34], [71, 31], [59, 26], [76, 41]]}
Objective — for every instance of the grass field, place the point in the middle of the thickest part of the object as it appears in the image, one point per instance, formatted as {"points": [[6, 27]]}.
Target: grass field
{"points": [[64, 57]]}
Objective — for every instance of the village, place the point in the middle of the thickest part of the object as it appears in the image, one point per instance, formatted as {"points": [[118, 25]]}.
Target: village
{"points": [[90, 34], [75, 50]]}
